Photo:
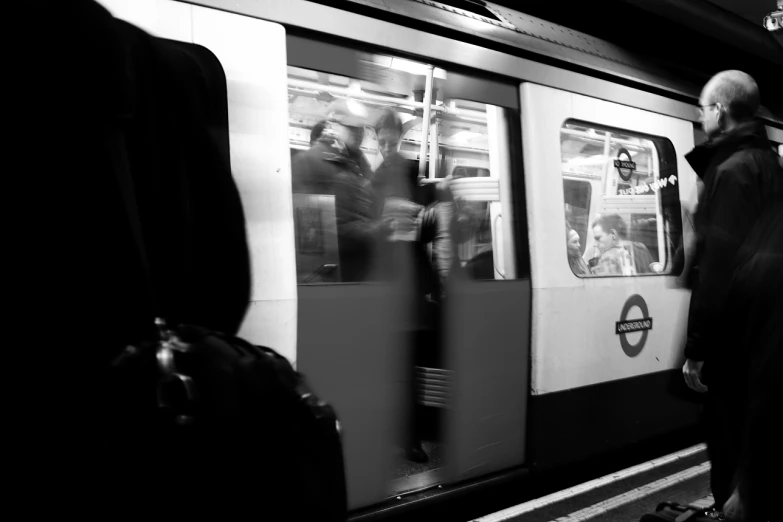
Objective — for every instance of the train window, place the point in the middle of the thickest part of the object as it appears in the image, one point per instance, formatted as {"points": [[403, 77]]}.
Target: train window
{"points": [[621, 201], [339, 163], [577, 205], [472, 136], [356, 144]]}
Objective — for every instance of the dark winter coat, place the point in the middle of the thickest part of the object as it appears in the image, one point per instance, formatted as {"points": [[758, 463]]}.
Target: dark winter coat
{"points": [[756, 304], [89, 297], [168, 102], [742, 179], [327, 169]]}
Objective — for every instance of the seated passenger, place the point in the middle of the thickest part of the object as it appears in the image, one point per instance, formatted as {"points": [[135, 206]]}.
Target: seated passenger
{"points": [[618, 255], [578, 265]]}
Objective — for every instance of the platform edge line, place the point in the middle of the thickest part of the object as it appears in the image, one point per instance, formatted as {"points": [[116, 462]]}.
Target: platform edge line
{"points": [[521, 509]]}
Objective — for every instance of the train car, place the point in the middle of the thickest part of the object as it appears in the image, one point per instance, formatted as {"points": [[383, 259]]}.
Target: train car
{"points": [[537, 365]]}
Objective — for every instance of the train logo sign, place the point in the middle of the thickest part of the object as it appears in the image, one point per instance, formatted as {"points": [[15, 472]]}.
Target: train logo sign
{"points": [[625, 326], [624, 165]]}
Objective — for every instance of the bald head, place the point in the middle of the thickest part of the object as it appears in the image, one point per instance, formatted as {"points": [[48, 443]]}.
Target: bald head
{"points": [[736, 91]]}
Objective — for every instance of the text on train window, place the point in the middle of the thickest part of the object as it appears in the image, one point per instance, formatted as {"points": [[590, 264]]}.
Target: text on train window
{"points": [[621, 201]]}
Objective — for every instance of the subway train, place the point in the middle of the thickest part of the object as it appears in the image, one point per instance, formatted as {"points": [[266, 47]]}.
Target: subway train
{"points": [[539, 363]]}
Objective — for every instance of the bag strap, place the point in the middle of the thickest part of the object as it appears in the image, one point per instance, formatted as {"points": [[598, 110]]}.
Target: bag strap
{"points": [[119, 158]]}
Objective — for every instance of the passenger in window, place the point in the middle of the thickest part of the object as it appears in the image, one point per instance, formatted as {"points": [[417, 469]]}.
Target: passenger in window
{"points": [[332, 166], [415, 219], [618, 255], [578, 265], [426, 210]]}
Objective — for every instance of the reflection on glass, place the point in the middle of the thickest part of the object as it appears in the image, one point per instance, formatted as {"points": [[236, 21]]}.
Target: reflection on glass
{"points": [[621, 201]]}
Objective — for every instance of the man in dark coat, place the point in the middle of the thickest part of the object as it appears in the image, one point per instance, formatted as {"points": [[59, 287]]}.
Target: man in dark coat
{"points": [[755, 301], [120, 99], [742, 180], [335, 166]]}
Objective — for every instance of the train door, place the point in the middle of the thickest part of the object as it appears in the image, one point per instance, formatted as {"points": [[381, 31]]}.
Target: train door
{"points": [[487, 305], [356, 306], [404, 339], [603, 183]]}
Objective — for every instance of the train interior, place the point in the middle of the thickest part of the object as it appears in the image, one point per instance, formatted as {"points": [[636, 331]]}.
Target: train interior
{"points": [[593, 185], [459, 135]]}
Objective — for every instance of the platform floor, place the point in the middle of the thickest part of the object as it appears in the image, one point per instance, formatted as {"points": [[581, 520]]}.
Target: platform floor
{"points": [[624, 496]]}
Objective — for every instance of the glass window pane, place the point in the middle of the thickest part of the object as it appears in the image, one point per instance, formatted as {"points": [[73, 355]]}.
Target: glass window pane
{"points": [[457, 203], [621, 201], [341, 212], [474, 145]]}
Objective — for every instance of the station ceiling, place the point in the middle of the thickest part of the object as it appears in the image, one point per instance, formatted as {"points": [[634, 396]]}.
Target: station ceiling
{"points": [[751, 10]]}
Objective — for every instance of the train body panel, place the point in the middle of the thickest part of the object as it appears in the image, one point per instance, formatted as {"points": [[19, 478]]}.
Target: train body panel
{"points": [[571, 349], [366, 30]]}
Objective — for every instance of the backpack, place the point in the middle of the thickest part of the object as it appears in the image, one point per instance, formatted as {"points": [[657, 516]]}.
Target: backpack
{"points": [[211, 422]]}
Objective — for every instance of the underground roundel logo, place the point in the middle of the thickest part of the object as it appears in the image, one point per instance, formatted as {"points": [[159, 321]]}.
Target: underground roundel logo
{"points": [[624, 164], [624, 326]]}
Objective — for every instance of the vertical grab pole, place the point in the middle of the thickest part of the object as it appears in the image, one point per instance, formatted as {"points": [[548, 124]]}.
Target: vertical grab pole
{"points": [[654, 168], [425, 123], [609, 189], [434, 148]]}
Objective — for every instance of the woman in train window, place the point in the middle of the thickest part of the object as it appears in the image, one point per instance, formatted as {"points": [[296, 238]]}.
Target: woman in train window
{"points": [[575, 261], [619, 256]]}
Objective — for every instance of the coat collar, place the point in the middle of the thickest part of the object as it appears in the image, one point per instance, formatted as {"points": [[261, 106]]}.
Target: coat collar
{"points": [[750, 134]]}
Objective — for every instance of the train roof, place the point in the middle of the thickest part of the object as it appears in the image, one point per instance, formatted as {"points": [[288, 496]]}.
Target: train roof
{"points": [[492, 25]]}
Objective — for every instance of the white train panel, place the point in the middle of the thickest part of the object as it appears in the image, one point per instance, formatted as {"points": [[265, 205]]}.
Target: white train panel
{"points": [[252, 53], [574, 334]]}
